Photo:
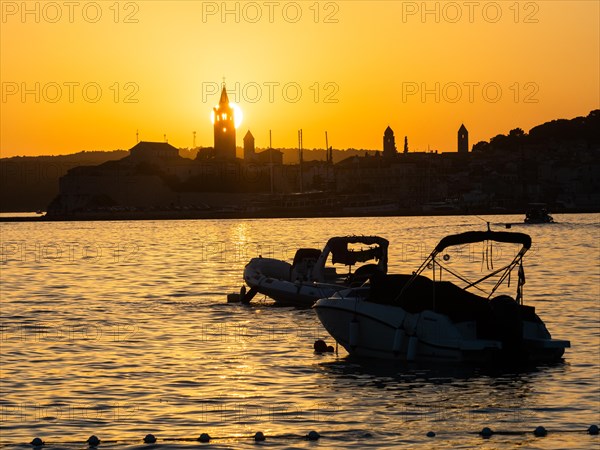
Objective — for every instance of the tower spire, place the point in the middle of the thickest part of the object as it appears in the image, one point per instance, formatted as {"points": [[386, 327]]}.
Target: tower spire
{"points": [[224, 100]]}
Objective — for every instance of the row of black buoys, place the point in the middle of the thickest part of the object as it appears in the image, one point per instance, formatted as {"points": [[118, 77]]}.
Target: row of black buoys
{"points": [[259, 436], [539, 431]]}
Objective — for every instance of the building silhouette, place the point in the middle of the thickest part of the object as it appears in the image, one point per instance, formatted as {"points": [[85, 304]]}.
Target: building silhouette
{"points": [[270, 156], [153, 151], [463, 139], [224, 128], [249, 151], [389, 143]]}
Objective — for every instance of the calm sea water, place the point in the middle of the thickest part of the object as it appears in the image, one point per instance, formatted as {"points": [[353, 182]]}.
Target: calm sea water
{"points": [[120, 329]]}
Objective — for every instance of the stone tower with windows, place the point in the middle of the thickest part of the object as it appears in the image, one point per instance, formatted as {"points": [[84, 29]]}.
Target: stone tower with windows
{"points": [[389, 143], [224, 128], [463, 139]]}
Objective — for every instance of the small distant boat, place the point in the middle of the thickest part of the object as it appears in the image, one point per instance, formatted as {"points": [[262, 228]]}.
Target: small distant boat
{"points": [[309, 278], [414, 318], [371, 208], [440, 207], [538, 213]]}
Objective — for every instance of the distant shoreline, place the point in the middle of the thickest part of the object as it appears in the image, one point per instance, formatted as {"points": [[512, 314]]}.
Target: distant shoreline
{"points": [[213, 215]]}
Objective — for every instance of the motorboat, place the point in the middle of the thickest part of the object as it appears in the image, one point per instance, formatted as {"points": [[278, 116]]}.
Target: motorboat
{"points": [[313, 273], [538, 213], [413, 317]]}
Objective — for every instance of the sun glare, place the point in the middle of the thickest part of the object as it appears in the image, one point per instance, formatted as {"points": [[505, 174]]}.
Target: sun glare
{"points": [[238, 115]]}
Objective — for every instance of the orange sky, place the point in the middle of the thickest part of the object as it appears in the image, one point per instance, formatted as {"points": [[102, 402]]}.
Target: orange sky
{"points": [[86, 75]]}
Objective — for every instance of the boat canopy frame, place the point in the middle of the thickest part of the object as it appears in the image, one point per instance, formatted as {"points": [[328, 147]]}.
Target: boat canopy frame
{"points": [[471, 237], [341, 253]]}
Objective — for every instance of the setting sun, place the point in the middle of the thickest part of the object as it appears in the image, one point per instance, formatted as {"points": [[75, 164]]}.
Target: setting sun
{"points": [[51, 105], [238, 115]]}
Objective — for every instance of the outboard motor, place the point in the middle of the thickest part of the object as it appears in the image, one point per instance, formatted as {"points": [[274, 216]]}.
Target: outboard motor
{"points": [[509, 320]]}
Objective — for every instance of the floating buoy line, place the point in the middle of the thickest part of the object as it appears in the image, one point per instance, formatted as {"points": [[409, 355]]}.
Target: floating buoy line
{"points": [[486, 433]]}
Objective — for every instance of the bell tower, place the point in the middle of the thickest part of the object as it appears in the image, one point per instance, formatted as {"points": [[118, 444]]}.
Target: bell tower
{"points": [[389, 143], [463, 139], [224, 128], [249, 152]]}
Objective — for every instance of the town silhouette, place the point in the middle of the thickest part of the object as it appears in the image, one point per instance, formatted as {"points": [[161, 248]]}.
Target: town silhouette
{"points": [[554, 163]]}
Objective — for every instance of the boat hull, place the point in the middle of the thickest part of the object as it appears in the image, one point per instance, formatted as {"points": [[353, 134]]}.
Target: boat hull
{"points": [[310, 277], [373, 330], [302, 294]]}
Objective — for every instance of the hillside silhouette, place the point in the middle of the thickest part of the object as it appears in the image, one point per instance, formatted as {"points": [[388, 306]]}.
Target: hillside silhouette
{"points": [[582, 130], [29, 183]]}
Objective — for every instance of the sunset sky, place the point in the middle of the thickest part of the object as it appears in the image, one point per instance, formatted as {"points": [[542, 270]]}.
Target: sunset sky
{"points": [[87, 75]]}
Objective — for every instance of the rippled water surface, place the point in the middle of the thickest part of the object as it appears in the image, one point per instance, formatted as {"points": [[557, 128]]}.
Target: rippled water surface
{"points": [[120, 329]]}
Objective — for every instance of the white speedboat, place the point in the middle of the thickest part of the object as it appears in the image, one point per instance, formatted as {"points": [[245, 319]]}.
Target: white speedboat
{"points": [[413, 318], [310, 276]]}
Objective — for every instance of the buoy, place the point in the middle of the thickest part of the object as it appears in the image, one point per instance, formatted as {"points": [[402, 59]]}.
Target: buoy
{"points": [[353, 332], [259, 436], [486, 432], [204, 437], [411, 353], [93, 441], [367, 435], [593, 429], [398, 340], [540, 431], [313, 436], [320, 346], [149, 439], [430, 434], [508, 225], [37, 442]]}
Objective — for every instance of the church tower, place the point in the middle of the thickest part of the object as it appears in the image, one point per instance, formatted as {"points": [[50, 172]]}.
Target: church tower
{"points": [[249, 151], [224, 128], [463, 139], [389, 143]]}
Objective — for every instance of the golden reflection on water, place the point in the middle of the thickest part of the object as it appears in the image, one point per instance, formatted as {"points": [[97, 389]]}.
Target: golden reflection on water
{"points": [[143, 339]]}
